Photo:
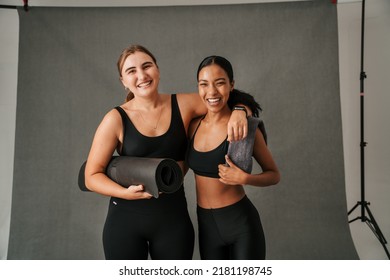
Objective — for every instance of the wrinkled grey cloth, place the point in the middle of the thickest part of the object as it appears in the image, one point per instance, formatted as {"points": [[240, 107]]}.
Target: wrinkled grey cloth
{"points": [[240, 152]]}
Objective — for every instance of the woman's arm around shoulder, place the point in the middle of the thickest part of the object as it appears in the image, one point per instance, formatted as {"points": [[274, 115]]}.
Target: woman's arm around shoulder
{"points": [[191, 106]]}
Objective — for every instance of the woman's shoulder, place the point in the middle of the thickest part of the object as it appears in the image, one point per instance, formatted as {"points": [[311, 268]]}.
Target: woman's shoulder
{"points": [[115, 112], [113, 117], [193, 125]]}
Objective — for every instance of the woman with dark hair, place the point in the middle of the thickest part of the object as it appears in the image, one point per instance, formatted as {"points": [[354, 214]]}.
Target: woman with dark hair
{"points": [[229, 224], [152, 125]]}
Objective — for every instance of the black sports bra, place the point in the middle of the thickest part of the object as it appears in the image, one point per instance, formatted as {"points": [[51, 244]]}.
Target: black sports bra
{"points": [[206, 163], [171, 144]]}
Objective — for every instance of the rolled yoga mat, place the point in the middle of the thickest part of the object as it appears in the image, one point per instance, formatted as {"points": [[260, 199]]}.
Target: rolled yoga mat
{"points": [[240, 152], [155, 174]]}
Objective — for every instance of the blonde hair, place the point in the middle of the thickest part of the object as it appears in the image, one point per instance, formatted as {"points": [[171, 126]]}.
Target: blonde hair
{"points": [[121, 61]]}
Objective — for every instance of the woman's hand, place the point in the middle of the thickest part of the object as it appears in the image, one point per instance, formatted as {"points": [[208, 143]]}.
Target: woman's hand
{"points": [[237, 126], [231, 174], [135, 192]]}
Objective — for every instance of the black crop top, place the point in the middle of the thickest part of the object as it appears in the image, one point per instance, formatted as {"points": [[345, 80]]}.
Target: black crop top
{"points": [[171, 144], [206, 163]]}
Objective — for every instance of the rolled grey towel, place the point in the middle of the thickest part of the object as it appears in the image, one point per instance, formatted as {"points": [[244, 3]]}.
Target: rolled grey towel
{"points": [[240, 152]]}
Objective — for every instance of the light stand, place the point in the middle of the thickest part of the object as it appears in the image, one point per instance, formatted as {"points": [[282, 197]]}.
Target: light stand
{"points": [[370, 220]]}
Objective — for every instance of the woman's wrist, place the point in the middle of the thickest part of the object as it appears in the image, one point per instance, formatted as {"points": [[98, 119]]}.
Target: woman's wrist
{"points": [[240, 108]]}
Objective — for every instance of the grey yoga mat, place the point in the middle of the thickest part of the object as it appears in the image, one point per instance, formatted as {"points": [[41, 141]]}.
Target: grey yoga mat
{"points": [[155, 174], [240, 152]]}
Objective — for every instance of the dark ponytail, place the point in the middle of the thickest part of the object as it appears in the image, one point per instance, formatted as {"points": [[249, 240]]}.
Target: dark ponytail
{"points": [[240, 97]]}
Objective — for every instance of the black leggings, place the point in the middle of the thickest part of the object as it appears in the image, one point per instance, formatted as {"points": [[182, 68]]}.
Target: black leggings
{"points": [[160, 227], [233, 232]]}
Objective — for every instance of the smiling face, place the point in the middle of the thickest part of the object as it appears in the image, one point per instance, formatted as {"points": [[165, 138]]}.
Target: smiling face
{"points": [[214, 87], [140, 74]]}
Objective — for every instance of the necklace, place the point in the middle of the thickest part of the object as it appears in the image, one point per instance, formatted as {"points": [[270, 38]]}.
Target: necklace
{"points": [[148, 123]]}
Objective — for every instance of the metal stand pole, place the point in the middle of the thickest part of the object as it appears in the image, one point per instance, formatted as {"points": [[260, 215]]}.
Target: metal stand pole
{"points": [[370, 220]]}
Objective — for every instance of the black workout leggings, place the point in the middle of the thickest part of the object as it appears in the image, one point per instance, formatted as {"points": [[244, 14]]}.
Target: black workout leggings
{"points": [[232, 232], [160, 227]]}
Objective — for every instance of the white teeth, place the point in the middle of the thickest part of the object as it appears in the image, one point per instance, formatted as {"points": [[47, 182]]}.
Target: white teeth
{"points": [[145, 84], [213, 100]]}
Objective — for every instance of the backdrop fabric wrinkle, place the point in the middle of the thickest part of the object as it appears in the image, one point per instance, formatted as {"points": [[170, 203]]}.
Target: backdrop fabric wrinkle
{"points": [[285, 54]]}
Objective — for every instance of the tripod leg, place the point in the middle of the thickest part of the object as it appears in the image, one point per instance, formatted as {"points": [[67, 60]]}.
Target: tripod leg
{"points": [[350, 211], [357, 218], [373, 225], [353, 208]]}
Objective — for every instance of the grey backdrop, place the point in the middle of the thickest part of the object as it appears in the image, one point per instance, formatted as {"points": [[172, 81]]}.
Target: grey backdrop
{"points": [[286, 54]]}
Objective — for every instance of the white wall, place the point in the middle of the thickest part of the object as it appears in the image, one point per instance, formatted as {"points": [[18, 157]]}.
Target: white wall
{"points": [[377, 99], [9, 37], [376, 117]]}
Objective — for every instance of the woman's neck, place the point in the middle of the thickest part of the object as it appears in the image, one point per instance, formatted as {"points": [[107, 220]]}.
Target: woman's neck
{"points": [[147, 103], [219, 117]]}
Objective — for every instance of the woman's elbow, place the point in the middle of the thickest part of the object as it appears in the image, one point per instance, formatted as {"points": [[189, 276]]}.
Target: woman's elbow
{"points": [[87, 182], [276, 178], [90, 180]]}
